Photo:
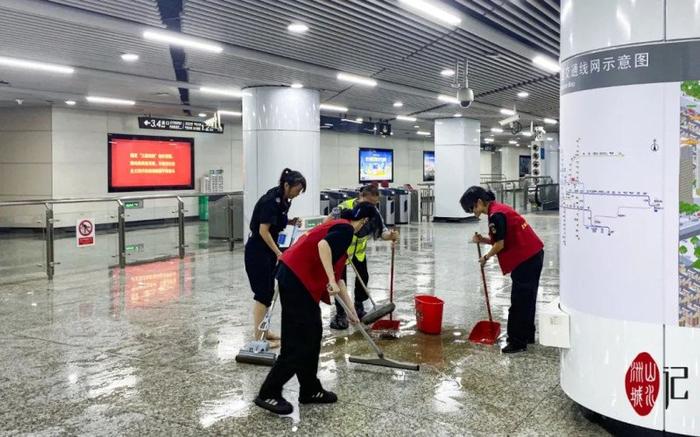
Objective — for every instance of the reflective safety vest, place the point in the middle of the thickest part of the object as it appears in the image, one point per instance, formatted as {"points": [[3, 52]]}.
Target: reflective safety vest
{"points": [[358, 247], [303, 259], [520, 244]]}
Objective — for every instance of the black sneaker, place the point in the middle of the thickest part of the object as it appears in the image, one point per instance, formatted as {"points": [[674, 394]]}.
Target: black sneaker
{"points": [[276, 405], [339, 322], [320, 397], [513, 349], [360, 310]]}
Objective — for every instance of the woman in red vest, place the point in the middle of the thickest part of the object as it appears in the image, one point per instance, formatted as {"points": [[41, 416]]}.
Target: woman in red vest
{"points": [[520, 253], [310, 271]]}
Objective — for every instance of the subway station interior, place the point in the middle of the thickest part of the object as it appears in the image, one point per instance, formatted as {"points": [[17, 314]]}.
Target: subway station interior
{"points": [[349, 217]]}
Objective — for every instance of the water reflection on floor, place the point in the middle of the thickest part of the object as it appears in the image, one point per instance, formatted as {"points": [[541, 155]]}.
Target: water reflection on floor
{"points": [[150, 350]]}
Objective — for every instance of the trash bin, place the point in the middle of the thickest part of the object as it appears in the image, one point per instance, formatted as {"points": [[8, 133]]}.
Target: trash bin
{"points": [[204, 208], [429, 314]]}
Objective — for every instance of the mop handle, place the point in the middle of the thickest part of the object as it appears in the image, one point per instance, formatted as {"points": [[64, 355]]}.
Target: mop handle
{"points": [[483, 279], [265, 323], [391, 278], [364, 286], [379, 352]]}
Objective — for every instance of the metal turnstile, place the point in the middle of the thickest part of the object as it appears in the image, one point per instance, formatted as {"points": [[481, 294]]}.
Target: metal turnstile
{"points": [[415, 201], [387, 206], [402, 201], [325, 204], [219, 218]]}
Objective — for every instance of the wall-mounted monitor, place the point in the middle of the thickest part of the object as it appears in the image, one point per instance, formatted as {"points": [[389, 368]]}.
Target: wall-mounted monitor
{"points": [[376, 165], [428, 166], [148, 163]]}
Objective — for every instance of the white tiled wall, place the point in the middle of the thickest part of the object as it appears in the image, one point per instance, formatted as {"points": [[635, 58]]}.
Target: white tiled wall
{"points": [[339, 158]]}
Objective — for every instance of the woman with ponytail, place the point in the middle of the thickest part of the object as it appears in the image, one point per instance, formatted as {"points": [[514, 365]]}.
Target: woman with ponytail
{"points": [[261, 251], [520, 253]]}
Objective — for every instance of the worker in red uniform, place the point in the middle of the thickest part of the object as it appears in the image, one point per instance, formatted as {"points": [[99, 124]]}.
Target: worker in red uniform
{"points": [[520, 253], [310, 271]]}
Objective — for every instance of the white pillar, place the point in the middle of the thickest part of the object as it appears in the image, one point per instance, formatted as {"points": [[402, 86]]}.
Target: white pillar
{"points": [[456, 164], [551, 157], [280, 129], [629, 272]]}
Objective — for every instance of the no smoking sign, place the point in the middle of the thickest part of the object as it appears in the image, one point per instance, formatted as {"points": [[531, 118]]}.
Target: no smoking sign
{"points": [[85, 232]]}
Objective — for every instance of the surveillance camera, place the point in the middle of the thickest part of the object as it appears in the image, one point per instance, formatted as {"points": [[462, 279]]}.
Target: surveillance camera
{"points": [[465, 97]]}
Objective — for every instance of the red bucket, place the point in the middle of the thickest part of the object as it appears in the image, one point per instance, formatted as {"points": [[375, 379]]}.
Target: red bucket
{"points": [[429, 314]]}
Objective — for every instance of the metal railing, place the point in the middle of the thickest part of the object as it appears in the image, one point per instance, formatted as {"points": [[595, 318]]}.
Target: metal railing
{"points": [[507, 191], [121, 220]]}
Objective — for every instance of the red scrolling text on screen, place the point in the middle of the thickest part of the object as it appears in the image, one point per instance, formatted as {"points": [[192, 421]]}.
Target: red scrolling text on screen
{"points": [[139, 163]]}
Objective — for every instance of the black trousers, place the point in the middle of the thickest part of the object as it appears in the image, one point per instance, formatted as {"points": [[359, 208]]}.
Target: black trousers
{"points": [[301, 343], [523, 300], [260, 265], [360, 294]]}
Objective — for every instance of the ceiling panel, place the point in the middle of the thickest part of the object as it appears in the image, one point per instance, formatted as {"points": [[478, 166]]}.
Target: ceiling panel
{"points": [[141, 11]]}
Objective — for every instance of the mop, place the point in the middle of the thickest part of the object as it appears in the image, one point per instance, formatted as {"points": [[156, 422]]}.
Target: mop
{"points": [[377, 312], [380, 360], [258, 351], [485, 331]]}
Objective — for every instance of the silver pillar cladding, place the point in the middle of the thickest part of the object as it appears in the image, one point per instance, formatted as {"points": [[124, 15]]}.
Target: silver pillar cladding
{"points": [[281, 129], [457, 163]]}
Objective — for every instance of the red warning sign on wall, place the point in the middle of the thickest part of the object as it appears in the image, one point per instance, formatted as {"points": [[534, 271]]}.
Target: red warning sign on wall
{"points": [[85, 232], [642, 383]]}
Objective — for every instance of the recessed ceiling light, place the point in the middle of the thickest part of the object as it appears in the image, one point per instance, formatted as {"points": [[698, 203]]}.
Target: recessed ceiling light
{"points": [[70, 102], [327, 107], [546, 63], [130, 57], [357, 79], [416, 127], [429, 8], [297, 85], [405, 118], [496, 130], [457, 115], [202, 114], [448, 99], [512, 142], [177, 39], [523, 94], [550, 139], [349, 120], [550, 121], [488, 140], [424, 133], [398, 104], [447, 72], [109, 101], [297, 28], [358, 119], [231, 113], [221, 91], [32, 65], [526, 133], [505, 111]]}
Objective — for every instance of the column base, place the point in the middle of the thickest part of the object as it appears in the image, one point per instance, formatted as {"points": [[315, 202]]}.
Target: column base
{"points": [[619, 428]]}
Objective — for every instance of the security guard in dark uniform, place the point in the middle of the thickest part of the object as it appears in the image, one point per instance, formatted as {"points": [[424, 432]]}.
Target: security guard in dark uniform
{"points": [[520, 254], [261, 251], [310, 271]]}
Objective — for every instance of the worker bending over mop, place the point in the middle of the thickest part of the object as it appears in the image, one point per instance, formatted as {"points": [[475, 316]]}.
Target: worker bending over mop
{"points": [[520, 253], [357, 252], [310, 271]]}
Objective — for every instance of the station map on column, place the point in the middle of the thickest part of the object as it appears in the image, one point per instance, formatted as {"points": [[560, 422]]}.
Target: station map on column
{"points": [[611, 193]]}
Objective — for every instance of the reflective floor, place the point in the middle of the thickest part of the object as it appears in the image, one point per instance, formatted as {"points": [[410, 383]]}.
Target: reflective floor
{"points": [[150, 350]]}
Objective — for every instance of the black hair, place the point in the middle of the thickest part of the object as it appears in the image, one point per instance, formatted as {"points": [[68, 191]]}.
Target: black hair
{"points": [[469, 198], [369, 190], [360, 211], [293, 178]]}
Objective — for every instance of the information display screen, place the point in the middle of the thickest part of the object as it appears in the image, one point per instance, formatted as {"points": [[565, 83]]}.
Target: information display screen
{"points": [[141, 163], [428, 166], [376, 165]]}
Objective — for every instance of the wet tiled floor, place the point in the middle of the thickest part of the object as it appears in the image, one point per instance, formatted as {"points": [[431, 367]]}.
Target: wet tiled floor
{"points": [[150, 349]]}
